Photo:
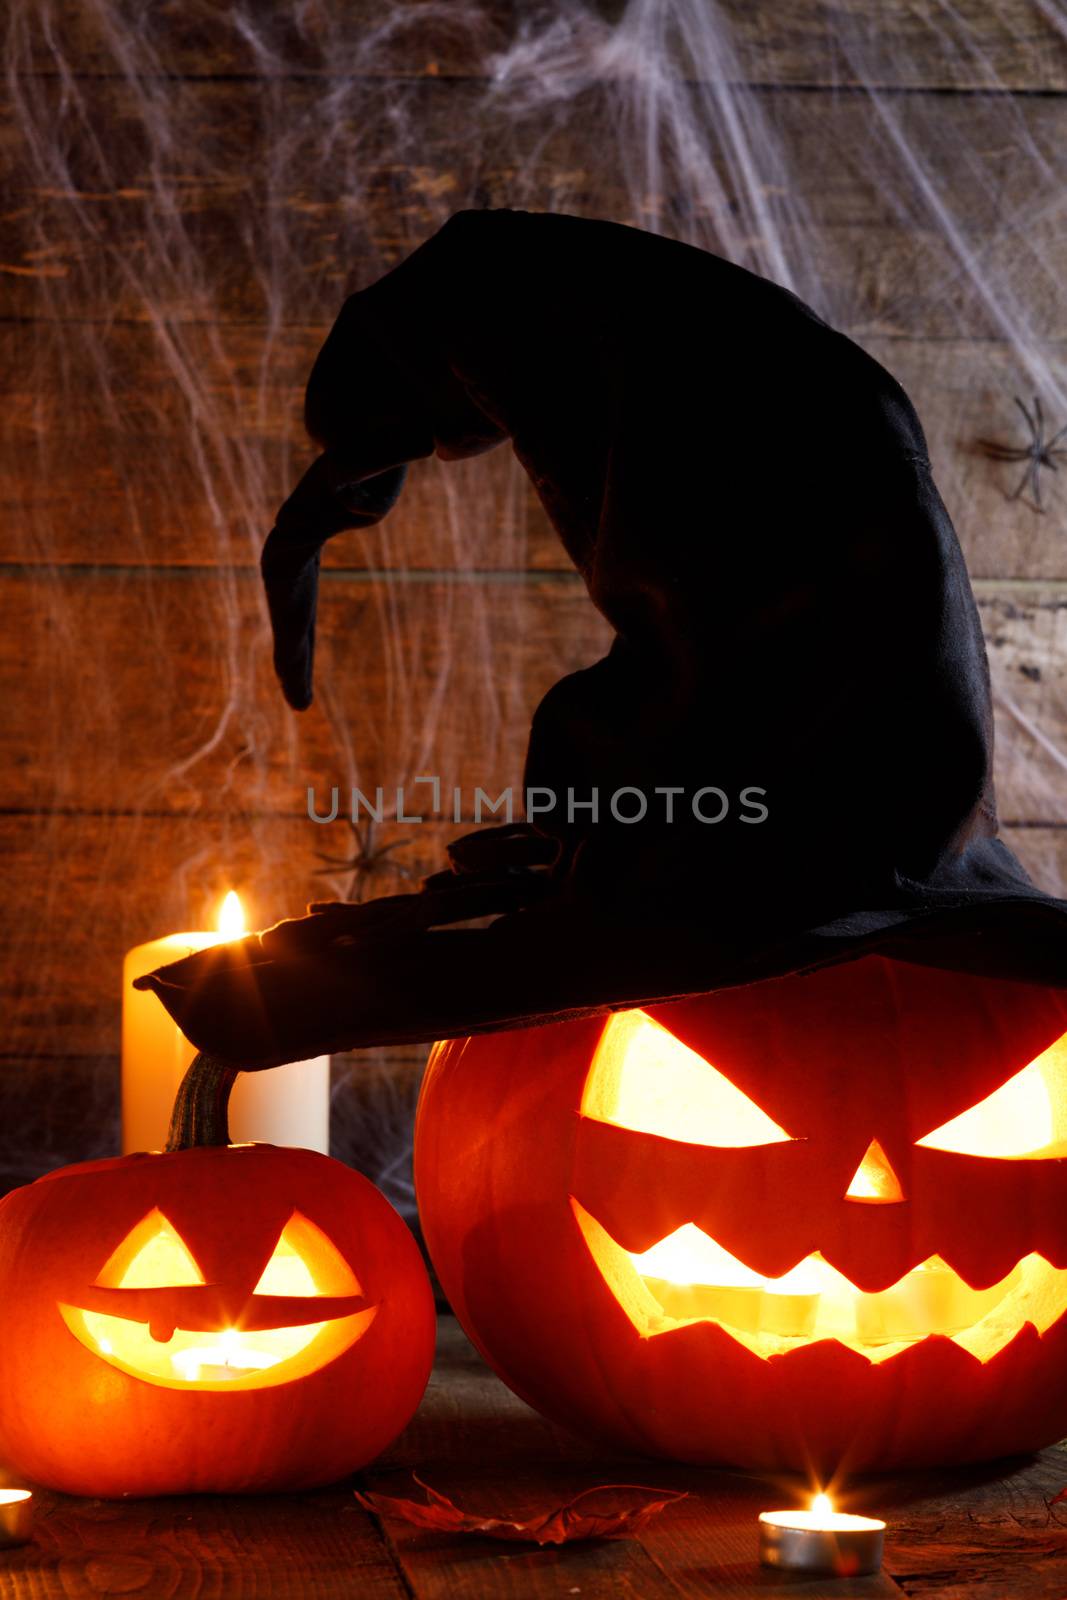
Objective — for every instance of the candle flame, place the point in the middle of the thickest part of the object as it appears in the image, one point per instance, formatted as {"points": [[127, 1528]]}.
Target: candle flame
{"points": [[231, 923], [822, 1505], [234, 1354]]}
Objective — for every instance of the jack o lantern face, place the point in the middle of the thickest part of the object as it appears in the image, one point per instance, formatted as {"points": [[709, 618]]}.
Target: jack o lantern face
{"points": [[151, 1314], [814, 1223], [224, 1319], [875, 1184]]}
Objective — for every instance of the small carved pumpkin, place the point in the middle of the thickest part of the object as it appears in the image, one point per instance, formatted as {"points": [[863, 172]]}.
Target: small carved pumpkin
{"points": [[820, 1221], [225, 1318]]}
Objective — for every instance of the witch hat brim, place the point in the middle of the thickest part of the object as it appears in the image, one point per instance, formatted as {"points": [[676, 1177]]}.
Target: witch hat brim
{"points": [[395, 972], [748, 498]]}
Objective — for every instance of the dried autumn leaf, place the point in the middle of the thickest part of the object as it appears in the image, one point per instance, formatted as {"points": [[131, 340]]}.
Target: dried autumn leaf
{"points": [[609, 1511]]}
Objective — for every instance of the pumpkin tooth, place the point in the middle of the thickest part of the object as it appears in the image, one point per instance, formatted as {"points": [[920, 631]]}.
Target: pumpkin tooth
{"points": [[162, 1332]]}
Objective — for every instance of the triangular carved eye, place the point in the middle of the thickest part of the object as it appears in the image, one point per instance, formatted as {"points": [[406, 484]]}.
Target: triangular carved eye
{"points": [[644, 1079], [1025, 1117], [305, 1262], [153, 1255]]}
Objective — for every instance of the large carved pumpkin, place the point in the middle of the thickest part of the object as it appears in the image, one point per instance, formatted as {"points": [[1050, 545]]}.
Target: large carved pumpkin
{"points": [[818, 1222], [219, 1318]]}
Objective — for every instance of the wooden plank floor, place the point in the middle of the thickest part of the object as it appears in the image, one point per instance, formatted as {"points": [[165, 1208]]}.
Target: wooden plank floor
{"points": [[983, 1534]]}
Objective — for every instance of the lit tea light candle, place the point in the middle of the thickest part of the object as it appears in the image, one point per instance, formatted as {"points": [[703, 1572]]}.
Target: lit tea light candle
{"points": [[230, 1358], [288, 1106], [16, 1517], [834, 1543]]}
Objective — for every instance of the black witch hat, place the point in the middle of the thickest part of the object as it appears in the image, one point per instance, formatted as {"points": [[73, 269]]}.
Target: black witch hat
{"points": [[790, 739]]}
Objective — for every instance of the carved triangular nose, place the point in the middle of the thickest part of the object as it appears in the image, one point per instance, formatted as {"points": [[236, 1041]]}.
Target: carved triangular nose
{"points": [[874, 1180]]}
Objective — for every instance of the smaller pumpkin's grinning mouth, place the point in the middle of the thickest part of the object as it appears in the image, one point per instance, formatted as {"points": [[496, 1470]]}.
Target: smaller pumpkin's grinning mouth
{"points": [[687, 1278], [228, 1359]]}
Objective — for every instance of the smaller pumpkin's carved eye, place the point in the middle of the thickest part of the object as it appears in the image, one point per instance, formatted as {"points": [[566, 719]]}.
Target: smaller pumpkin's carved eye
{"points": [[286, 1272], [1026, 1118], [306, 1262], [646, 1080], [153, 1255]]}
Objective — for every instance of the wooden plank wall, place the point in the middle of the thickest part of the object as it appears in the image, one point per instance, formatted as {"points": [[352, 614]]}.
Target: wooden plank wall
{"points": [[189, 191]]}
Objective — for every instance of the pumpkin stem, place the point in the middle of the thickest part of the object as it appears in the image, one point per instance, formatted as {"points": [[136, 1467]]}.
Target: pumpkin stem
{"points": [[200, 1115]]}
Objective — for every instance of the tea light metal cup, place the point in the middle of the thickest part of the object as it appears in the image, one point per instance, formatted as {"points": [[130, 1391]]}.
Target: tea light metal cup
{"points": [[16, 1517], [821, 1540]]}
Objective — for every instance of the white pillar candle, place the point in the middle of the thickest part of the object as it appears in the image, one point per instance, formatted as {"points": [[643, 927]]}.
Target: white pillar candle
{"points": [[285, 1105]]}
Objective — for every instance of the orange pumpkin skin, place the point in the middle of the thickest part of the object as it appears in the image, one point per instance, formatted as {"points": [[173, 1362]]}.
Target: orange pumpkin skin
{"points": [[73, 1422], [874, 1049]]}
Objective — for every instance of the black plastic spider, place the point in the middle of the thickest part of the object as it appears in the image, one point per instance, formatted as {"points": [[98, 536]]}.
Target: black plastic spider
{"points": [[1038, 452], [368, 861]]}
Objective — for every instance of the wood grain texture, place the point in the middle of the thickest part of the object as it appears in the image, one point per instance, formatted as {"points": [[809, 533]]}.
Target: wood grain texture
{"points": [[284, 205], [476, 1441], [1026, 634], [124, 475], [125, 694], [1043, 852], [280, 1547], [976, 1531], [819, 42], [154, 692], [86, 888], [199, 39], [468, 1415], [134, 446], [916, 45], [705, 1544], [440, 1565], [960, 1535], [963, 391]]}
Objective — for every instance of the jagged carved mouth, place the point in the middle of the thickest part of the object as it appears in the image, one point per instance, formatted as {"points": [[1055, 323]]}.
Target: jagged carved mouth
{"points": [[687, 1278]]}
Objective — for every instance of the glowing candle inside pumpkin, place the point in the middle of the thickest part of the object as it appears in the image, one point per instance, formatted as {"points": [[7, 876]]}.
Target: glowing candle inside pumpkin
{"points": [[821, 1540], [289, 1105], [231, 1357]]}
